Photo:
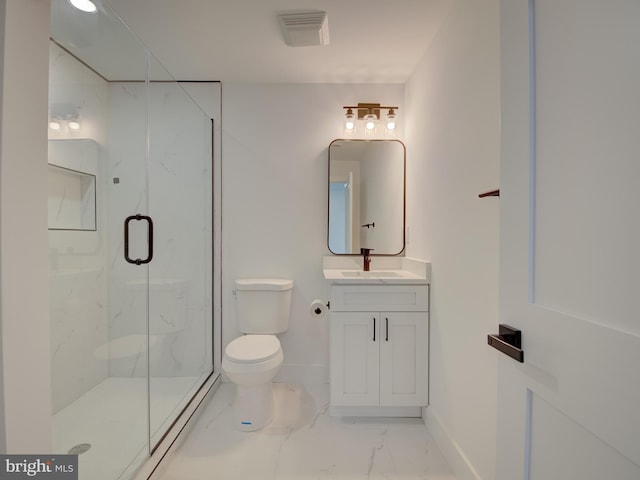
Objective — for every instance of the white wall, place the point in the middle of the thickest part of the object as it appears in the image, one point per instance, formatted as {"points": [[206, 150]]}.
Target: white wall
{"points": [[452, 148], [25, 419], [274, 148]]}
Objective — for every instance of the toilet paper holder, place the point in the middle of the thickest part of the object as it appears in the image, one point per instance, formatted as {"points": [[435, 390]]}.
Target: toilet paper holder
{"points": [[318, 311]]}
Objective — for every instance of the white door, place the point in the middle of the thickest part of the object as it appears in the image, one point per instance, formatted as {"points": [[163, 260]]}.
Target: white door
{"points": [[570, 239]]}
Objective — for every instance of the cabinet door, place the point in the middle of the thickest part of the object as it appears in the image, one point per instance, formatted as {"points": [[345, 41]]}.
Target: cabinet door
{"points": [[403, 358], [355, 337]]}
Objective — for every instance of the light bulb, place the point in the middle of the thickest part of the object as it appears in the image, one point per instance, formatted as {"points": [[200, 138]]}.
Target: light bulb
{"points": [[391, 120], [84, 5], [74, 125], [55, 125], [391, 124], [370, 121], [349, 123]]}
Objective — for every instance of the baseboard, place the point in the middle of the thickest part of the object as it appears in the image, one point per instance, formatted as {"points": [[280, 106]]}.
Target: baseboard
{"points": [[300, 374], [393, 412], [450, 449]]}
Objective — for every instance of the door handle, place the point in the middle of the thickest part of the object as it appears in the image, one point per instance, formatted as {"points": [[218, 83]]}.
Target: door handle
{"points": [[386, 321], [508, 341], [138, 217]]}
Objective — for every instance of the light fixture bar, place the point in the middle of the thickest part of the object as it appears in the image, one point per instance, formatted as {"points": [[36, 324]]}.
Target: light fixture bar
{"points": [[369, 116], [368, 108]]}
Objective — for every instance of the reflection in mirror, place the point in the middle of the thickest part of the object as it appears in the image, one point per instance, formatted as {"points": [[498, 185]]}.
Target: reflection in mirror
{"points": [[366, 196]]}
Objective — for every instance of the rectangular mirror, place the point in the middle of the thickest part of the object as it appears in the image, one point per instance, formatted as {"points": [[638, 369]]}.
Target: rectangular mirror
{"points": [[366, 196]]}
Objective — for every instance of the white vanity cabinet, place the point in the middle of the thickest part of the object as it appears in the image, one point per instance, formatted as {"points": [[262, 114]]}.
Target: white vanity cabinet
{"points": [[379, 348]]}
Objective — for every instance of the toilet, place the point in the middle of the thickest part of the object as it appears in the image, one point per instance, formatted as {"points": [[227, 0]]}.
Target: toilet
{"points": [[252, 360]]}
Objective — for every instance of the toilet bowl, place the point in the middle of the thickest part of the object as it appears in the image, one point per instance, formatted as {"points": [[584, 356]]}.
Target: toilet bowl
{"points": [[253, 360]]}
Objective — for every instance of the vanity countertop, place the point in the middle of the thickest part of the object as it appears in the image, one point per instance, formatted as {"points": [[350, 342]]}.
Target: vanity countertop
{"points": [[347, 269]]}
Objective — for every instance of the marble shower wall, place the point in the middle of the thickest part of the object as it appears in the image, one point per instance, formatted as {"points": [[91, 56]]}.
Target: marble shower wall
{"points": [[77, 259]]}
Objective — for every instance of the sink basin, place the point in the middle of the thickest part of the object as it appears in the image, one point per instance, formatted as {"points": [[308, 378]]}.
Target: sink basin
{"points": [[347, 270], [378, 274], [339, 275]]}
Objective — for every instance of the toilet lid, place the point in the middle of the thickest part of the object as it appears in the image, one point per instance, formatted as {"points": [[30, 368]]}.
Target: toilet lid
{"points": [[253, 348]]}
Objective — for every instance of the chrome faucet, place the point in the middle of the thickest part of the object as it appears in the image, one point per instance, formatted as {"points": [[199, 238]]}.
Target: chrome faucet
{"points": [[366, 258]]}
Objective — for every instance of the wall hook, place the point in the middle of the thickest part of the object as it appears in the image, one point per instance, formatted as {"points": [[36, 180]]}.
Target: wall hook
{"points": [[492, 193]]}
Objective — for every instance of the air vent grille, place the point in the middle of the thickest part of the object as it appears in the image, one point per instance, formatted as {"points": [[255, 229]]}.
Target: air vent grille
{"points": [[305, 29]]}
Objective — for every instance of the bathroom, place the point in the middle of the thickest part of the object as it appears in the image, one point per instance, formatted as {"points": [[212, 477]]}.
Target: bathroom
{"points": [[273, 149]]}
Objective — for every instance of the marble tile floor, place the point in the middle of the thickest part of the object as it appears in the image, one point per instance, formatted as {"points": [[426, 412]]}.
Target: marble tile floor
{"points": [[303, 442]]}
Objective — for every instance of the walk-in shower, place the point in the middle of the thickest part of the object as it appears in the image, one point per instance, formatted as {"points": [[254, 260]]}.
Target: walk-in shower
{"points": [[130, 243]]}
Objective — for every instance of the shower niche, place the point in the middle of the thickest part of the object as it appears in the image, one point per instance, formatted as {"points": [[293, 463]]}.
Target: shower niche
{"points": [[72, 191], [131, 343]]}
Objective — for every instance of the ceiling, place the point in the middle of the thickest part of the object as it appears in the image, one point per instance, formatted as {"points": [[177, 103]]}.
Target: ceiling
{"points": [[371, 41]]}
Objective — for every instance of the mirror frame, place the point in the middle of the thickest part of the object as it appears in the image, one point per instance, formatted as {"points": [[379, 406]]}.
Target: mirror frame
{"points": [[404, 193]]}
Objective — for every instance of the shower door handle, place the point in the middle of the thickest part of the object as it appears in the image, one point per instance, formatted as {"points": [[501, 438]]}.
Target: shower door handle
{"points": [[138, 217]]}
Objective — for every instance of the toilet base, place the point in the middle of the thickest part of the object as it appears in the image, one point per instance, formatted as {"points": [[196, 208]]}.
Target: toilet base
{"points": [[253, 406]]}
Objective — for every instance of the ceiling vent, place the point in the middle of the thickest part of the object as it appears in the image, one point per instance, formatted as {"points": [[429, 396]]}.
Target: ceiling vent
{"points": [[305, 29]]}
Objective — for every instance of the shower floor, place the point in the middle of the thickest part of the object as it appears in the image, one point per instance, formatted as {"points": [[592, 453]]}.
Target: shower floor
{"points": [[112, 418]]}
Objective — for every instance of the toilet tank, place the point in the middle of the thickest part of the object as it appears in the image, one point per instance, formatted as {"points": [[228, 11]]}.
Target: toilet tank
{"points": [[263, 305]]}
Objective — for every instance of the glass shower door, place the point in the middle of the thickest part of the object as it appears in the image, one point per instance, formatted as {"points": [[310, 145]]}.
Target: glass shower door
{"points": [[130, 240], [180, 276], [131, 286], [99, 302]]}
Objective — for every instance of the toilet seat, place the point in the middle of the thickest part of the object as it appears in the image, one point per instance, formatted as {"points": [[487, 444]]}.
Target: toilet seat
{"points": [[253, 349]]}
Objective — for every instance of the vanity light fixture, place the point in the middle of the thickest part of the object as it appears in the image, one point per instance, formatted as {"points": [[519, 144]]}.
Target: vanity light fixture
{"points": [[369, 115], [86, 6]]}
